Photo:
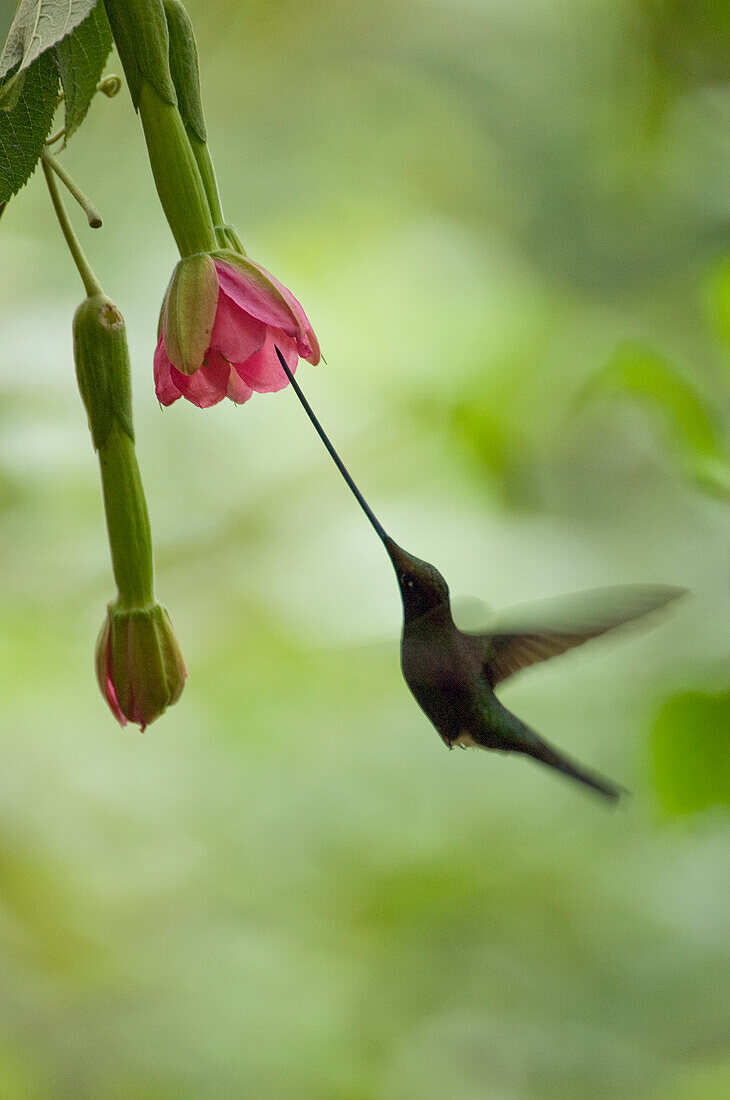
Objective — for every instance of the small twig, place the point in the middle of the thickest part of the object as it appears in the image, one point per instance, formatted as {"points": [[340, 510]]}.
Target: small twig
{"points": [[92, 214], [56, 137], [91, 283]]}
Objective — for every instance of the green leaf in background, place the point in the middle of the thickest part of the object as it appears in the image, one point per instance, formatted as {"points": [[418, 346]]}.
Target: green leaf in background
{"points": [[690, 749], [39, 25], [24, 127], [719, 295], [80, 58], [691, 427]]}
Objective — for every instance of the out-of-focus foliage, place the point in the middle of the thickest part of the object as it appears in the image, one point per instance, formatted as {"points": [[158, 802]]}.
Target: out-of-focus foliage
{"points": [[720, 300], [692, 426], [288, 886], [691, 752]]}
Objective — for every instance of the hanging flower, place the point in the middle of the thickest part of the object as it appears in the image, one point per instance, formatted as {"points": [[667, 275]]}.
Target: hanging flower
{"points": [[222, 318]]}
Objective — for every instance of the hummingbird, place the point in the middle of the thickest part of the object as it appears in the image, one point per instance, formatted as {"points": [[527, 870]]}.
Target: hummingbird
{"points": [[453, 673]]}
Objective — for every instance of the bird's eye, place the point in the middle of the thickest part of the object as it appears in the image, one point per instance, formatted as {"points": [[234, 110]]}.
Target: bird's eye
{"points": [[410, 582]]}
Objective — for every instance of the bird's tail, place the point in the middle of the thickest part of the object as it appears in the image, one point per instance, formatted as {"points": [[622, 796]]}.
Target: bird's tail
{"points": [[540, 750]]}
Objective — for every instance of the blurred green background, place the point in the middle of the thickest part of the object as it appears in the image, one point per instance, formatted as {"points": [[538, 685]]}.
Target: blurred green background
{"points": [[509, 221]]}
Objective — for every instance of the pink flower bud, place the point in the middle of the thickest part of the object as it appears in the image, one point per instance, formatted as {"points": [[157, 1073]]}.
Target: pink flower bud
{"points": [[219, 341], [139, 665]]}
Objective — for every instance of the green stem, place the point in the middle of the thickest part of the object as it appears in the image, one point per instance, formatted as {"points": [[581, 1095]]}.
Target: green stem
{"points": [[91, 284], [207, 175], [92, 214], [176, 174], [56, 137], [225, 233], [128, 523]]}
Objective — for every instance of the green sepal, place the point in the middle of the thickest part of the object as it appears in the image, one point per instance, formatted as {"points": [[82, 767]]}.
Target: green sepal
{"points": [[140, 34], [228, 238], [102, 368], [184, 67], [188, 312]]}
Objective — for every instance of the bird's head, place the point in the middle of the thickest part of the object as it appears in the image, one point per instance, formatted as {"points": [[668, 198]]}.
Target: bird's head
{"points": [[422, 587]]}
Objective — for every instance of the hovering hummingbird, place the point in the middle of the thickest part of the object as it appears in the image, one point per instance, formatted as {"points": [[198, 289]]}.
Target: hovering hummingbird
{"points": [[452, 674]]}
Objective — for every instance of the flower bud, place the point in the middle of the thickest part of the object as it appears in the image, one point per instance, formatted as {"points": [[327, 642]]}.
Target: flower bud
{"points": [[139, 665], [102, 367]]}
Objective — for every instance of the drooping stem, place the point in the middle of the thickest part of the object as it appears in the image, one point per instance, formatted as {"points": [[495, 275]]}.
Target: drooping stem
{"points": [[379, 529], [128, 522], [88, 278], [226, 235], [176, 174], [92, 214]]}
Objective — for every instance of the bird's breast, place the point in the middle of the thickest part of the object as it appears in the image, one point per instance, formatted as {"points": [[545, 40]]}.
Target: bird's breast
{"points": [[439, 683]]}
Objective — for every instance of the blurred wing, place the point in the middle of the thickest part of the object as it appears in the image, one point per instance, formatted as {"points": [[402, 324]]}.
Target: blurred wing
{"points": [[574, 620]]}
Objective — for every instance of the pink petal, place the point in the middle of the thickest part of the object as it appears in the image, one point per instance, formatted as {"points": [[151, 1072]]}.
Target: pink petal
{"points": [[260, 301], [207, 386], [309, 347], [263, 371], [111, 698], [237, 390], [236, 334], [104, 674], [307, 343], [165, 388], [254, 298]]}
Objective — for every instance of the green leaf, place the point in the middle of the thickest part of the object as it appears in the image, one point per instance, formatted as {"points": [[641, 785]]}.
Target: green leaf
{"points": [[29, 98], [80, 57], [690, 424], [39, 25], [24, 127], [690, 749]]}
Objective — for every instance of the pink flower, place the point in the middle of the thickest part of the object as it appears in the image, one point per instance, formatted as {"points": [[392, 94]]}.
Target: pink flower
{"points": [[222, 319]]}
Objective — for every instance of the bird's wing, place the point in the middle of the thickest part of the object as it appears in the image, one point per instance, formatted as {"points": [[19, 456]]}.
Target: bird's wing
{"points": [[566, 623]]}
